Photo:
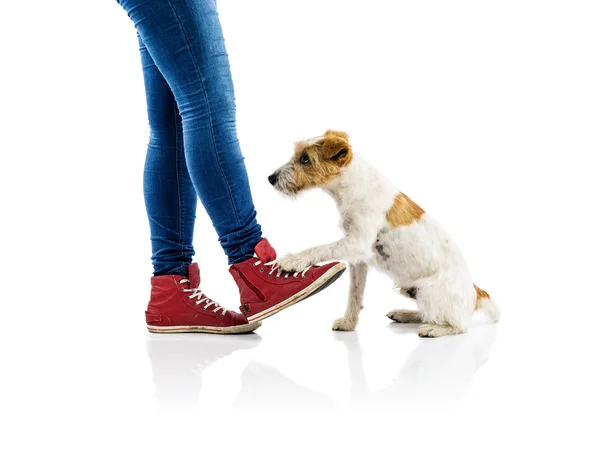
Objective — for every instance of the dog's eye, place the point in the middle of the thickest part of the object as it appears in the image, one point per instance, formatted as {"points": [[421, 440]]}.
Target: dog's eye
{"points": [[304, 159]]}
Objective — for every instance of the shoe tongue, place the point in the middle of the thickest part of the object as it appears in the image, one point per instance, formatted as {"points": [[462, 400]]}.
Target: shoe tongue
{"points": [[194, 275], [264, 251]]}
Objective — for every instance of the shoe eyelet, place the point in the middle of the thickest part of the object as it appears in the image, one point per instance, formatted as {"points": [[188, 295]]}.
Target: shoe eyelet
{"points": [[262, 269], [214, 311]]}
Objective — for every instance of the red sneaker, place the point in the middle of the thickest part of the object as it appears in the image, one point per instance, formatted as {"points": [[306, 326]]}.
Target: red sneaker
{"points": [[265, 289], [177, 305]]}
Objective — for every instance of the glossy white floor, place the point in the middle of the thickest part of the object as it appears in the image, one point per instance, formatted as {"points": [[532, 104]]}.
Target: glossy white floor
{"points": [[84, 376], [485, 113]]}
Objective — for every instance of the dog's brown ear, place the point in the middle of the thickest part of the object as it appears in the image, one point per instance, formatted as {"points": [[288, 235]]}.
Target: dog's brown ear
{"points": [[336, 147], [339, 134]]}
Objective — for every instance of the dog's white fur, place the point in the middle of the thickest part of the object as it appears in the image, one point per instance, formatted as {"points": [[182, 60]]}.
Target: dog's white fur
{"points": [[420, 255]]}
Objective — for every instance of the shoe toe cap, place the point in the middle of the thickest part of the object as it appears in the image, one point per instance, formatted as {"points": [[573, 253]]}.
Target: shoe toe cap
{"points": [[238, 319], [319, 271]]}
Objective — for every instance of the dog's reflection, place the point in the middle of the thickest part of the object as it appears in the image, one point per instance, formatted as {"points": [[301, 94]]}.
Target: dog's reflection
{"points": [[436, 369]]}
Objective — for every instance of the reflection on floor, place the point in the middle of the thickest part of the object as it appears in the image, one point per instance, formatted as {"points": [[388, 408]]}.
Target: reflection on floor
{"points": [[437, 368], [179, 360]]}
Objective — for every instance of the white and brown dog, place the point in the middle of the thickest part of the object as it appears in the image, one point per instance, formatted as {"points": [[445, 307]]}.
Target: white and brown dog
{"points": [[387, 230]]}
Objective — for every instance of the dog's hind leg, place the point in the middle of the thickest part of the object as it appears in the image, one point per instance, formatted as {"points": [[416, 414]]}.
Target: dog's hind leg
{"points": [[358, 281], [405, 316], [445, 309]]}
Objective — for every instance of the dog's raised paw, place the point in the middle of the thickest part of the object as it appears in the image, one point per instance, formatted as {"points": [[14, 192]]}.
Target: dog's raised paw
{"points": [[341, 324], [294, 262]]}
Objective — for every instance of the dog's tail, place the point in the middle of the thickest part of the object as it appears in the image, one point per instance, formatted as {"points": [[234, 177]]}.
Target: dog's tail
{"points": [[487, 304]]}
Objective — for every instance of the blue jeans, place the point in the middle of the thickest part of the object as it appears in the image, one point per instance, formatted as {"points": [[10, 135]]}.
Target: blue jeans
{"points": [[193, 149]]}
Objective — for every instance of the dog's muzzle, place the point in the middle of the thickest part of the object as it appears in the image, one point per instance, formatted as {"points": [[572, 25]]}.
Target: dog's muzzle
{"points": [[282, 180]]}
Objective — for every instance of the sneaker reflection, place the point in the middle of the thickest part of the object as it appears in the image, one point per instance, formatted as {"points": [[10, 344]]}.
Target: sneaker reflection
{"points": [[178, 361], [265, 386]]}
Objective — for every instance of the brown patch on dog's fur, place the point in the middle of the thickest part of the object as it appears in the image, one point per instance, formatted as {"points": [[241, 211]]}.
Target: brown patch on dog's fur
{"points": [[481, 294], [403, 212], [327, 159]]}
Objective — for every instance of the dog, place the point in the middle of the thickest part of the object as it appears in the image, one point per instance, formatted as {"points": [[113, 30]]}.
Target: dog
{"points": [[386, 230]]}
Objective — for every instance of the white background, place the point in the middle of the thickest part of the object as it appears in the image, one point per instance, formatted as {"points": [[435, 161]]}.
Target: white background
{"points": [[485, 113]]}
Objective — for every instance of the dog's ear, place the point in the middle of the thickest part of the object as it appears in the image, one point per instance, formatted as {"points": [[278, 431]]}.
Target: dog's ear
{"points": [[336, 147], [339, 134]]}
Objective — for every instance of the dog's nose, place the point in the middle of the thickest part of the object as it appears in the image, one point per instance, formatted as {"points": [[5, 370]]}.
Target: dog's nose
{"points": [[273, 178]]}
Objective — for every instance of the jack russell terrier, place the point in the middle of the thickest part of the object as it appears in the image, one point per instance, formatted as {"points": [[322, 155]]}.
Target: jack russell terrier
{"points": [[384, 229]]}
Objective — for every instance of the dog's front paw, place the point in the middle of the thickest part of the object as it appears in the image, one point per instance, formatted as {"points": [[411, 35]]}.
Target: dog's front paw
{"points": [[294, 262], [342, 324]]}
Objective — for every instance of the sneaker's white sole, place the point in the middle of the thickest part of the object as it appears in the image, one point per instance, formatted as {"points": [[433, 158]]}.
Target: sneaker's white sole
{"points": [[249, 327], [321, 283]]}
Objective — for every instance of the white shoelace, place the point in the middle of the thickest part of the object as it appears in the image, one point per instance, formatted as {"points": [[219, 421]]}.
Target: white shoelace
{"points": [[275, 267], [196, 293]]}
